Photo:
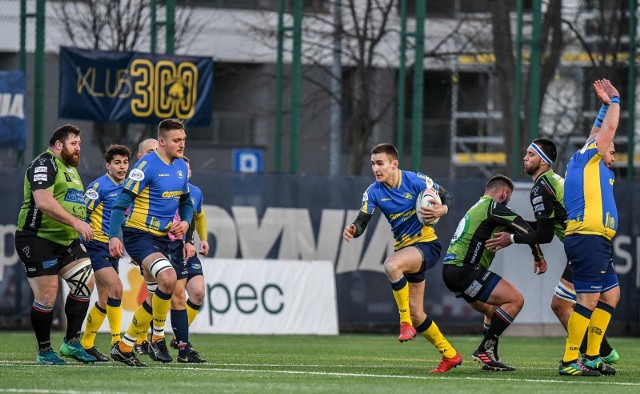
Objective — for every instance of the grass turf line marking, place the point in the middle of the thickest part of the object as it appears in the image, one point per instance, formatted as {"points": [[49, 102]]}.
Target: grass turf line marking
{"points": [[568, 379]]}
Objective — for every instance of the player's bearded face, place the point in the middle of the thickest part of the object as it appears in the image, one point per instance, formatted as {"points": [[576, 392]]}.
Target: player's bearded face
{"points": [[70, 154]]}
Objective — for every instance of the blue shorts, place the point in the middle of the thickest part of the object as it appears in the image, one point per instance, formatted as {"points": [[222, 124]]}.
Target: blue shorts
{"points": [[100, 257], [194, 266], [591, 259], [140, 244], [176, 257], [430, 252]]}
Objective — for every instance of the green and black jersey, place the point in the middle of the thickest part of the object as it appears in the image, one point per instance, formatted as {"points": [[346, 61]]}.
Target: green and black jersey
{"points": [[548, 208], [481, 221], [49, 172]]}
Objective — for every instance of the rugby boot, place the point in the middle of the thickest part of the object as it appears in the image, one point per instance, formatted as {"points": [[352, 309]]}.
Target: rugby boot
{"points": [[407, 332], [598, 365], [142, 348], [49, 357], [447, 364], [158, 351], [93, 351], [192, 357], [490, 362], [576, 368], [612, 357], [128, 358], [74, 349]]}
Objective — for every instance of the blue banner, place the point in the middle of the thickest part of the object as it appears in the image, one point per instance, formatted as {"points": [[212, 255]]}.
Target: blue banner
{"points": [[125, 87], [13, 125]]}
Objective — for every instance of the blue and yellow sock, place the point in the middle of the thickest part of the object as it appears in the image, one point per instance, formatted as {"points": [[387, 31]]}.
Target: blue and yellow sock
{"points": [[401, 294], [95, 318], [576, 328]]}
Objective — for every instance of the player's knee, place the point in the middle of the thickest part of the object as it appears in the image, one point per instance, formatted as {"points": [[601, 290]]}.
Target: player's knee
{"points": [[80, 279], [518, 300], [116, 291], [391, 266], [197, 296], [167, 281]]}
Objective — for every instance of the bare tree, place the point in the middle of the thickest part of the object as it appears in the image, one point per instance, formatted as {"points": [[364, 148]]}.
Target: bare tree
{"points": [[113, 25]]}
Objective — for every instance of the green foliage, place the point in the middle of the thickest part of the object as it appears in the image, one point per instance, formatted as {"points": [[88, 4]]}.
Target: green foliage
{"points": [[342, 364]]}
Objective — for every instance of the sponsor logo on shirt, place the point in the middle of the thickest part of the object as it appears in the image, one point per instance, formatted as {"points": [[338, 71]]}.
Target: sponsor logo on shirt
{"points": [[136, 174], [40, 177], [536, 200], [91, 194], [40, 169], [74, 196], [538, 208]]}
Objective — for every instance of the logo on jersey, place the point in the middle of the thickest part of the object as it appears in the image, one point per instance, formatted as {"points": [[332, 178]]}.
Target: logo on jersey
{"points": [[74, 196], [536, 200], [180, 174], [91, 194], [136, 175], [429, 182], [538, 208], [67, 177], [40, 169], [40, 178], [408, 196], [365, 197]]}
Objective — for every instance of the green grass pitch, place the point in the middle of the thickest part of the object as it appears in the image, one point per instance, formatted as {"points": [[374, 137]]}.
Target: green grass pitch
{"points": [[315, 364]]}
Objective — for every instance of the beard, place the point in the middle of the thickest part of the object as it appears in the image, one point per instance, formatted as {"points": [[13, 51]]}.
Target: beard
{"points": [[531, 170], [70, 158]]}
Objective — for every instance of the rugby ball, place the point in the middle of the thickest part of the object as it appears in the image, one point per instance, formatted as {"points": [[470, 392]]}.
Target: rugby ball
{"points": [[427, 198]]}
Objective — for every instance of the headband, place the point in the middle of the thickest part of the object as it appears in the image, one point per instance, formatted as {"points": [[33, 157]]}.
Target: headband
{"points": [[541, 153]]}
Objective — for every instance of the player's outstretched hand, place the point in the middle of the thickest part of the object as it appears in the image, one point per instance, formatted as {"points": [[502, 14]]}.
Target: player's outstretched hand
{"points": [[349, 231], [605, 90], [84, 229]]}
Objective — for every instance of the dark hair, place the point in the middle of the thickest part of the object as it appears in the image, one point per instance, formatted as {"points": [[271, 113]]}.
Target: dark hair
{"points": [[547, 147], [116, 150], [62, 133], [169, 124], [387, 148], [499, 181]]}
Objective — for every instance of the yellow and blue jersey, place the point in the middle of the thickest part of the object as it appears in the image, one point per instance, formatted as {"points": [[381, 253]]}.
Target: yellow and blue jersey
{"points": [[399, 207], [99, 199], [588, 194], [196, 198], [157, 186]]}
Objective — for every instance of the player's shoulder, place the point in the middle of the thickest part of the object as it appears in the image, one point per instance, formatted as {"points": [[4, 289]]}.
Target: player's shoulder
{"points": [[194, 189], [44, 161]]}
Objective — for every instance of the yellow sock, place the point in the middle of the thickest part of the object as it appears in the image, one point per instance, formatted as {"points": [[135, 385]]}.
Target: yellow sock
{"points": [[95, 318], [143, 336], [114, 314], [433, 335], [191, 312], [139, 324], [576, 328], [597, 326], [402, 300], [161, 304]]}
